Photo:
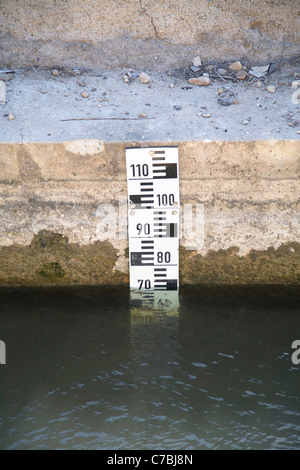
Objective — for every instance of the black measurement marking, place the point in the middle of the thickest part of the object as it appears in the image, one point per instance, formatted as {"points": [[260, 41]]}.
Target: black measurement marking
{"points": [[165, 230], [146, 299], [142, 200], [164, 170], [165, 284], [145, 200], [139, 259]]}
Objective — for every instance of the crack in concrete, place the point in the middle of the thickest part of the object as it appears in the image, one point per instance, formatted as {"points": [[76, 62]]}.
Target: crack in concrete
{"points": [[145, 12]]}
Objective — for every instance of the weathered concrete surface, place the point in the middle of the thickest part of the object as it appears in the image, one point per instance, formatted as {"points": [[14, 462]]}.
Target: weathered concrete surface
{"points": [[52, 231], [143, 33], [52, 109]]}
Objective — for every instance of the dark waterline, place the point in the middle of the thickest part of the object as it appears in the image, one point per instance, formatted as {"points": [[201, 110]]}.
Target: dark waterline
{"points": [[84, 372]]}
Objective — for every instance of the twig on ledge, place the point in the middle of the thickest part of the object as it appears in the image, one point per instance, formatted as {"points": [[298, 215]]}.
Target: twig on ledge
{"points": [[108, 118], [228, 77], [47, 76]]}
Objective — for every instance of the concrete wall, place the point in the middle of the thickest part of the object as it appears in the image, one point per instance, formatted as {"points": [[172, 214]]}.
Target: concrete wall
{"points": [[50, 192], [154, 34]]}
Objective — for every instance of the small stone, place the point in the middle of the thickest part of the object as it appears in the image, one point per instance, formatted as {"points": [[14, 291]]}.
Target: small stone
{"points": [[295, 84], [84, 94], [259, 71], [210, 68], [298, 132], [220, 91], [43, 91], [55, 73], [197, 61], [222, 71], [241, 75], [195, 69], [206, 74], [258, 84], [236, 66], [144, 78], [200, 81], [235, 101], [11, 117], [81, 83], [134, 74], [273, 67], [206, 115], [177, 107], [142, 115], [225, 101], [271, 88], [171, 85], [6, 77], [99, 105], [246, 122]]}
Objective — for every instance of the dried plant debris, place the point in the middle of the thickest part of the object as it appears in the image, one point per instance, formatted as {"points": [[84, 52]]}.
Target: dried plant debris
{"points": [[240, 71]]}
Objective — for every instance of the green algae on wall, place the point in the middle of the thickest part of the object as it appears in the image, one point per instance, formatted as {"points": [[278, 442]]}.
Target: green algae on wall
{"points": [[281, 266], [51, 260]]}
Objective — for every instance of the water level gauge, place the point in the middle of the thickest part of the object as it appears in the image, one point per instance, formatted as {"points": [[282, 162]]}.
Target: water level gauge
{"points": [[153, 218]]}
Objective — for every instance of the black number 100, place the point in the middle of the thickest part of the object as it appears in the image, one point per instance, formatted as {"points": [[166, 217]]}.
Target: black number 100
{"points": [[165, 199]]}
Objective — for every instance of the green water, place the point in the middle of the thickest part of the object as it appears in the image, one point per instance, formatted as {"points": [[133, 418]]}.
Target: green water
{"points": [[84, 371]]}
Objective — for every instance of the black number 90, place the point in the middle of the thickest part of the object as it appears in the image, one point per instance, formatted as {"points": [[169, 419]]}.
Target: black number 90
{"points": [[143, 228]]}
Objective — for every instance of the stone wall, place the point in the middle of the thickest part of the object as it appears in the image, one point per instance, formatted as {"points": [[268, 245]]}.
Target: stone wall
{"points": [[157, 34]]}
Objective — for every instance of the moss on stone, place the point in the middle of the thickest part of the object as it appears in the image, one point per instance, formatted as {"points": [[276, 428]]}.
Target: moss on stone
{"points": [[51, 260], [271, 266], [51, 271]]}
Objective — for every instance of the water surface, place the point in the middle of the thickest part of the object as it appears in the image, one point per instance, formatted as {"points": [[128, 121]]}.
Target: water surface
{"points": [[84, 371]]}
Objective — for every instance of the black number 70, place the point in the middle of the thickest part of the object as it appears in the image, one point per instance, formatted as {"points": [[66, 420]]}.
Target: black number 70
{"points": [[147, 283]]}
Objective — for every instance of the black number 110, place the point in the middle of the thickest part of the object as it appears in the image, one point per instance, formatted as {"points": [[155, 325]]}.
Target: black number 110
{"points": [[139, 170]]}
